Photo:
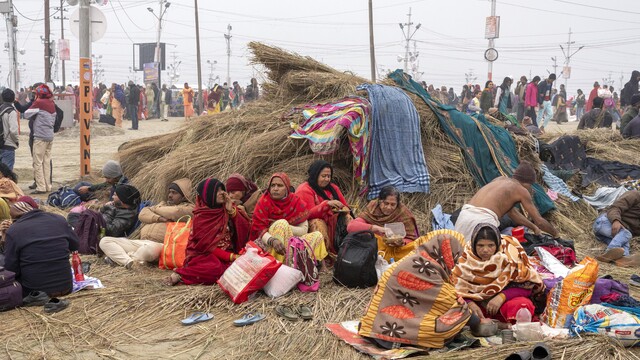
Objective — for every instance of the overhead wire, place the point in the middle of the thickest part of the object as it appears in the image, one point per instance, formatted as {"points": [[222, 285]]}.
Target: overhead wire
{"points": [[122, 27], [131, 20], [30, 19]]}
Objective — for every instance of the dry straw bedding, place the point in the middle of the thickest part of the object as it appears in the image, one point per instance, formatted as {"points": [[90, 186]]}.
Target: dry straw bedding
{"points": [[137, 317]]}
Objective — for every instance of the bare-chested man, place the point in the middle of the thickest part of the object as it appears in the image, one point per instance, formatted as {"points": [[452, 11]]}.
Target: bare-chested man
{"points": [[499, 198]]}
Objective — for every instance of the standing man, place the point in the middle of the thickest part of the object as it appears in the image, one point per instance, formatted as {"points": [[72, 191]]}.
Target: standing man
{"points": [[9, 138], [629, 89], [544, 100], [43, 114], [531, 99], [132, 104], [187, 101], [156, 100], [225, 96], [521, 88], [165, 101]]}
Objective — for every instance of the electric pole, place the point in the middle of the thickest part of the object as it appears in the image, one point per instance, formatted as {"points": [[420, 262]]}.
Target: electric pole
{"points": [[200, 95], [555, 65], [47, 44], [11, 20], [621, 80], [62, 19], [470, 77], [407, 37], [491, 42], [227, 36], [566, 73], [372, 51]]}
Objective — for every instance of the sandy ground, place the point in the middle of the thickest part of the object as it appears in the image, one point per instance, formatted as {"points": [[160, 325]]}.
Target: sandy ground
{"points": [[105, 141]]}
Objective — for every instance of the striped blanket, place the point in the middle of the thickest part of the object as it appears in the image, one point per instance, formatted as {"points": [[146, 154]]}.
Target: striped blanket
{"points": [[397, 156], [324, 124]]}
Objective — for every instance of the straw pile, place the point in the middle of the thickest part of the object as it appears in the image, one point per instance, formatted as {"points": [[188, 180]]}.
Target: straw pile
{"points": [[136, 315]]}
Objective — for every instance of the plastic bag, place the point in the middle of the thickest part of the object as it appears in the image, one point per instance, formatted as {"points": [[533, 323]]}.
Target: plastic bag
{"points": [[552, 263], [605, 320], [570, 293], [381, 266], [528, 331], [285, 279], [248, 274]]}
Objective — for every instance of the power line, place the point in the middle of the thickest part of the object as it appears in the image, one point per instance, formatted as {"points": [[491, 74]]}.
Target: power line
{"points": [[30, 19], [597, 7], [569, 14], [133, 22], [117, 18]]}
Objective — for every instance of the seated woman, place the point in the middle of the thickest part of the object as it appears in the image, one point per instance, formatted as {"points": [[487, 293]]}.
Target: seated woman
{"points": [[220, 230], [385, 210], [243, 192], [495, 277], [324, 201], [415, 302], [278, 216], [9, 189]]}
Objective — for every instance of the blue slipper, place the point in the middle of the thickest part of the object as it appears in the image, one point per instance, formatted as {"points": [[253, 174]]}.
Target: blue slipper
{"points": [[197, 317], [249, 319]]}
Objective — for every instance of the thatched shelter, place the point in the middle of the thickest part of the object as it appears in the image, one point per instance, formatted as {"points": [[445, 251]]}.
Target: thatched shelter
{"points": [[135, 316]]}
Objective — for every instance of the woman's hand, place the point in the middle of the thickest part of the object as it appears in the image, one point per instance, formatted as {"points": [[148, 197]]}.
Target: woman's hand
{"points": [[335, 204], [83, 190], [494, 304], [475, 309], [228, 203], [4, 225], [277, 245], [378, 230]]}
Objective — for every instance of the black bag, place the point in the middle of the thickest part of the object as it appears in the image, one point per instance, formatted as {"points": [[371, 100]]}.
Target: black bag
{"points": [[355, 266], [107, 119], [10, 290]]}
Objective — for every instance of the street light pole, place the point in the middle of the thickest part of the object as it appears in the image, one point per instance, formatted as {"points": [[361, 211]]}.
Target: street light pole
{"points": [[227, 36], [200, 95], [164, 5]]}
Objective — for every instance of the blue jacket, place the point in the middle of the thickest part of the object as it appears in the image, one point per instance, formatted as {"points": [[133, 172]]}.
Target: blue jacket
{"points": [[544, 89]]}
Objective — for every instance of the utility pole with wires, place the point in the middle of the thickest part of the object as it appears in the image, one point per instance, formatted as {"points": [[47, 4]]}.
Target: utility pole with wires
{"points": [[407, 37], [372, 50], [199, 67], [227, 37], [212, 67], [566, 72], [621, 80], [6, 8], [47, 43], [62, 9], [470, 77], [555, 64]]}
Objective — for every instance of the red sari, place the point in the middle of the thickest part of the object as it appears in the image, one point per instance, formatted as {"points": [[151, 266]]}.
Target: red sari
{"points": [[268, 210], [215, 236], [320, 209]]}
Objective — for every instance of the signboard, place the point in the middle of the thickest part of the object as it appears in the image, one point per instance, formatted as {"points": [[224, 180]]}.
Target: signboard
{"points": [[566, 72], [64, 53], [151, 73], [492, 27], [85, 115]]}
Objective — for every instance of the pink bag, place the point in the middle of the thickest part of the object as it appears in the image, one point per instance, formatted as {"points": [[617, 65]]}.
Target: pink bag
{"points": [[300, 256]]}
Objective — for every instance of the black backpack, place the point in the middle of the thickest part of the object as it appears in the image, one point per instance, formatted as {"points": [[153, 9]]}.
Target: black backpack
{"points": [[355, 266], [10, 290]]}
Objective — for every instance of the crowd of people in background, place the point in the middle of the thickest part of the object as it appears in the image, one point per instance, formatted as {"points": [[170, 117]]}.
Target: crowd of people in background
{"points": [[539, 101]]}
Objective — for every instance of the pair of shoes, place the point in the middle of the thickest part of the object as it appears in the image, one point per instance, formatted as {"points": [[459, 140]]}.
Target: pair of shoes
{"points": [[38, 192], [33, 186], [249, 319], [540, 351], [628, 261], [164, 120], [611, 255], [35, 298], [54, 305], [197, 317], [301, 312], [134, 265], [131, 129]]}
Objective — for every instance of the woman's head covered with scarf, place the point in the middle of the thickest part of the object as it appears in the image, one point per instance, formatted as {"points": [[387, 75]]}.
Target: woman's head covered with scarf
{"points": [[278, 202], [43, 92], [485, 241], [23, 205], [321, 180], [207, 191], [240, 188]]}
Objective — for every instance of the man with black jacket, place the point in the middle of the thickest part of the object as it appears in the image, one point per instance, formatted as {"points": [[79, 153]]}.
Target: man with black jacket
{"points": [[165, 102], [121, 214], [629, 89], [132, 104]]}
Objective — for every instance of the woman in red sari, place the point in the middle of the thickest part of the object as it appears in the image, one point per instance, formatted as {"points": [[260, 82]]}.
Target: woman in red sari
{"points": [[220, 231], [324, 201], [279, 215]]}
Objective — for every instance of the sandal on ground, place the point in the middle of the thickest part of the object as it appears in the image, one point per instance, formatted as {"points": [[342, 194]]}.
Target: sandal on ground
{"points": [[520, 355], [611, 255], [286, 313], [249, 319], [540, 352], [197, 317], [305, 312]]}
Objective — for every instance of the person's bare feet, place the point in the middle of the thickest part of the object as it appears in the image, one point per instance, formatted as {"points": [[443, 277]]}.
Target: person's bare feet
{"points": [[172, 279]]}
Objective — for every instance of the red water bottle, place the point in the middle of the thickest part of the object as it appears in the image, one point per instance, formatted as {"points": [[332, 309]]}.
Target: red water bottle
{"points": [[76, 263]]}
